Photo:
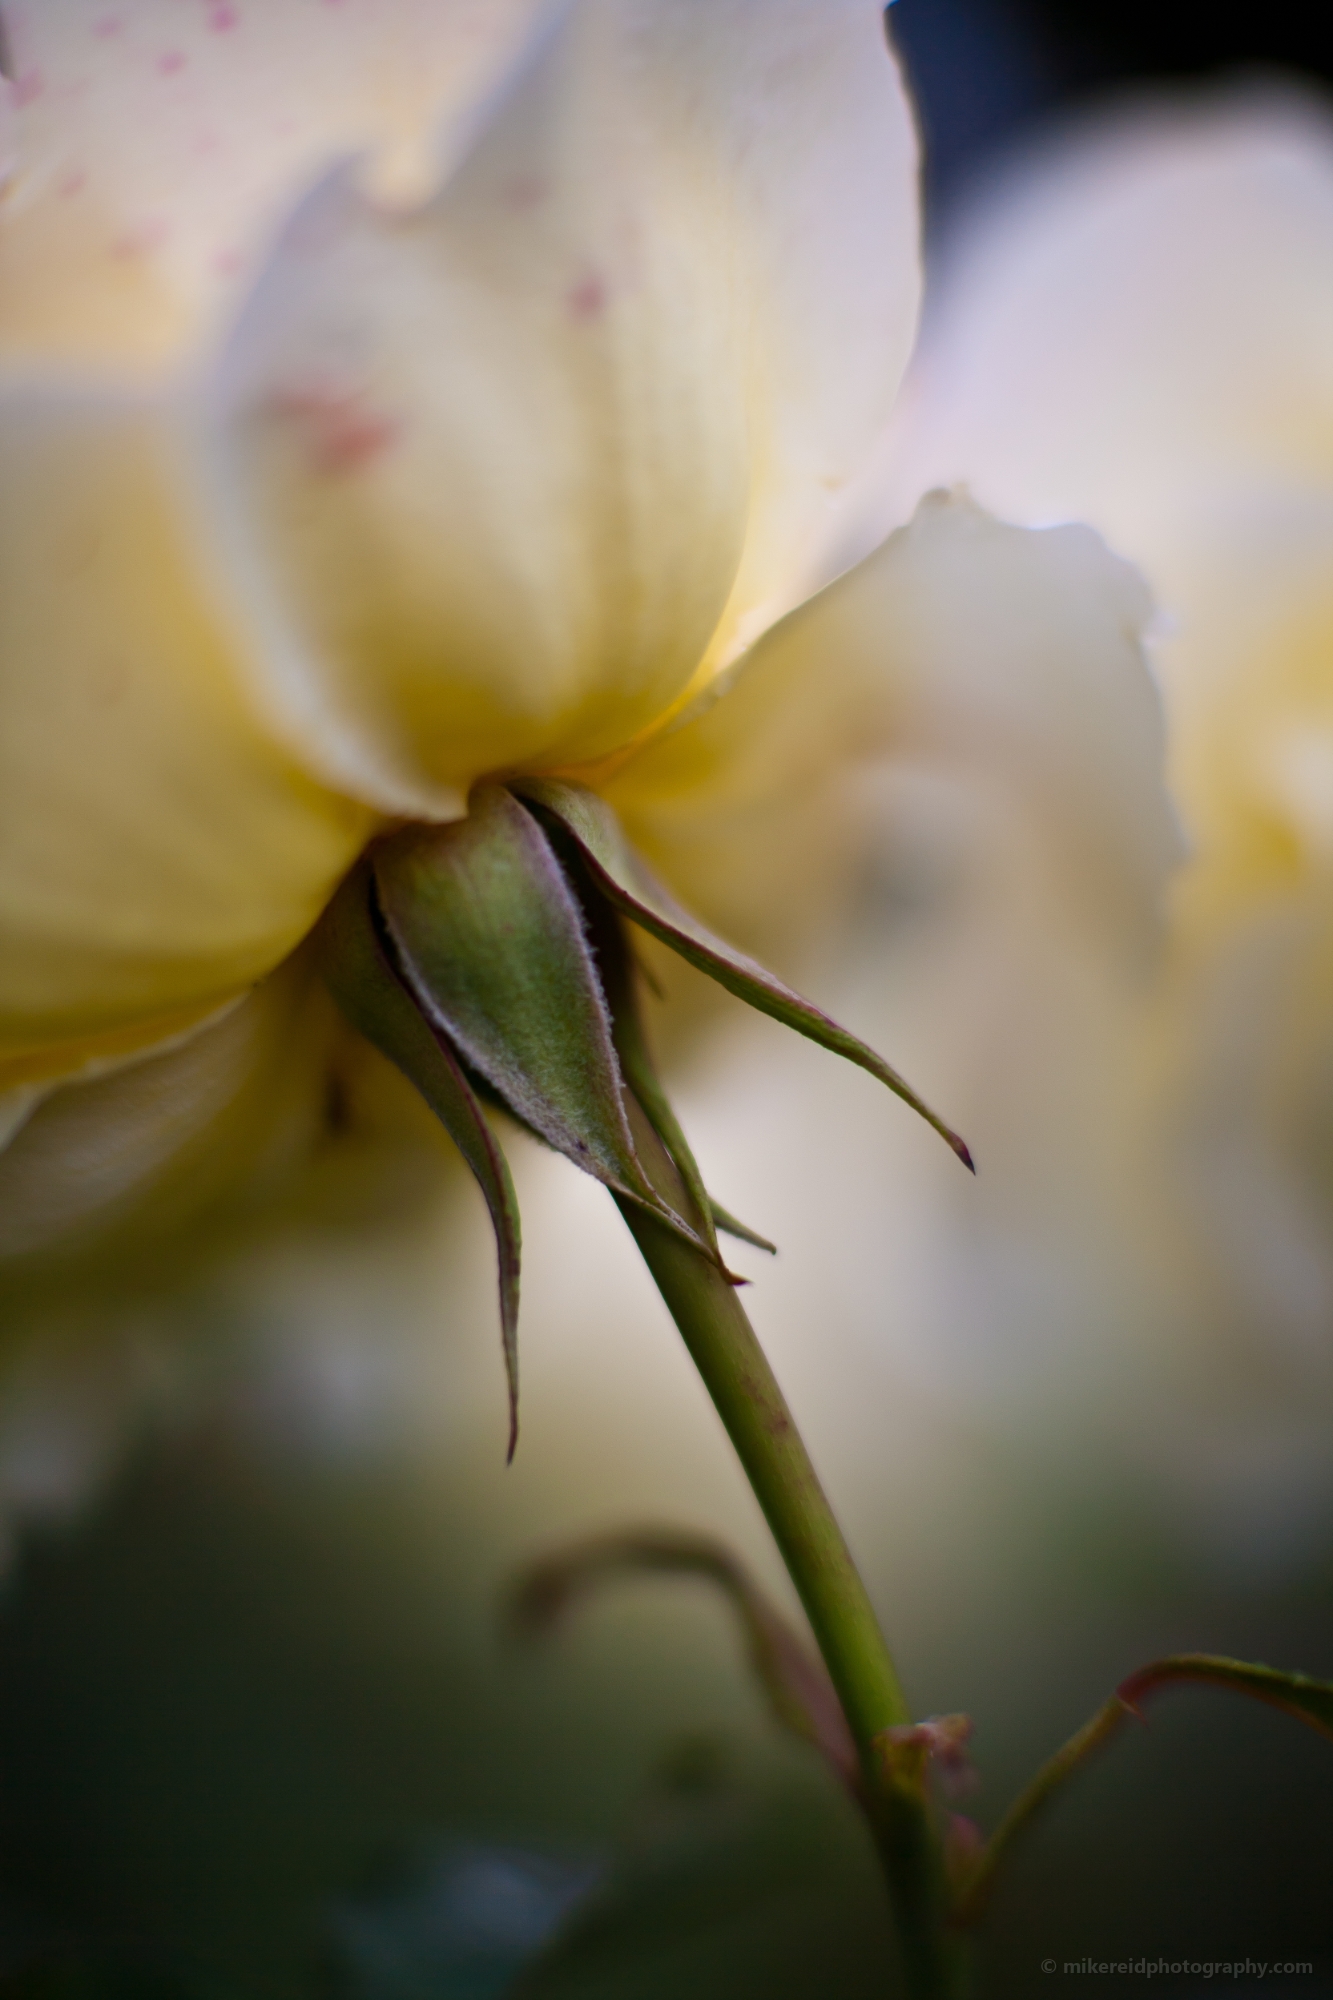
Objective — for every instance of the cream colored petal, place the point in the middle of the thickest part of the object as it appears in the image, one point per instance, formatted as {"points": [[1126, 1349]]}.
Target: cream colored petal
{"points": [[963, 644], [506, 467], [752, 809], [1139, 311], [157, 853], [159, 145]]}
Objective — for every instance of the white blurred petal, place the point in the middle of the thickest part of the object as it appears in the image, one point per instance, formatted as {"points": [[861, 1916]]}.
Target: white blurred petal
{"points": [[1136, 326], [1015, 655], [1137, 311], [174, 1236], [1250, 686], [158, 146], [153, 1147]]}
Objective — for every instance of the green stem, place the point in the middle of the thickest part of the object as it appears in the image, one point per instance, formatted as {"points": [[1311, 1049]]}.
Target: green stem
{"points": [[745, 1393]]}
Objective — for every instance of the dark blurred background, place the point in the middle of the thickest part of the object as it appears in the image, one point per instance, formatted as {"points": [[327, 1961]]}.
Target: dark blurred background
{"points": [[986, 71], [259, 1737]]}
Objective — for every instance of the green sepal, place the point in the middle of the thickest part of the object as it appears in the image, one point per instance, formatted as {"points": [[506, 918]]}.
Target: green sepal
{"points": [[364, 982], [793, 1677], [490, 939], [619, 976], [1309, 1701], [727, 1222], [626, 880]]}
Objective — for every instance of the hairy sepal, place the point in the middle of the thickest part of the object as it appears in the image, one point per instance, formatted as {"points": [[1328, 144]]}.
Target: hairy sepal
{"points": [[490, 938], [620, 975], [629, 884]]}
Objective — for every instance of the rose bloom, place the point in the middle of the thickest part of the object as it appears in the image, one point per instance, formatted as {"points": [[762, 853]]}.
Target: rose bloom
{"points": [[401, 392], [1133, 326]]}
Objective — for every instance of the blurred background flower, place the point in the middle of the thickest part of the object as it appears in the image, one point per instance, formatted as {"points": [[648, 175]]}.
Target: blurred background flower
{"points": [[1133, 326], [261, 1732]]}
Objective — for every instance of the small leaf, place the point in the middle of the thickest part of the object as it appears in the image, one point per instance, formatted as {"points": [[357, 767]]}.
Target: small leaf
{"points": [[800, 1693], [722, 1220], [365, 984], [490, 939], [1309, 1701], [627, 881], [973, 1895]]}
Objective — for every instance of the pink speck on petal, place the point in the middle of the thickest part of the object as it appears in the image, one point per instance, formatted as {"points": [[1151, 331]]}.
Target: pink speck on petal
{"points": [[222, 19], [170, 63], [524, 191], [107, 25], [72, 183], [227, 262], [341, 429], [587, 299], [139, 242], [29, 86]]}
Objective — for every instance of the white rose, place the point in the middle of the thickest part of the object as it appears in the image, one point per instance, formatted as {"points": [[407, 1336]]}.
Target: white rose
{"points": [[398, 396]]}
